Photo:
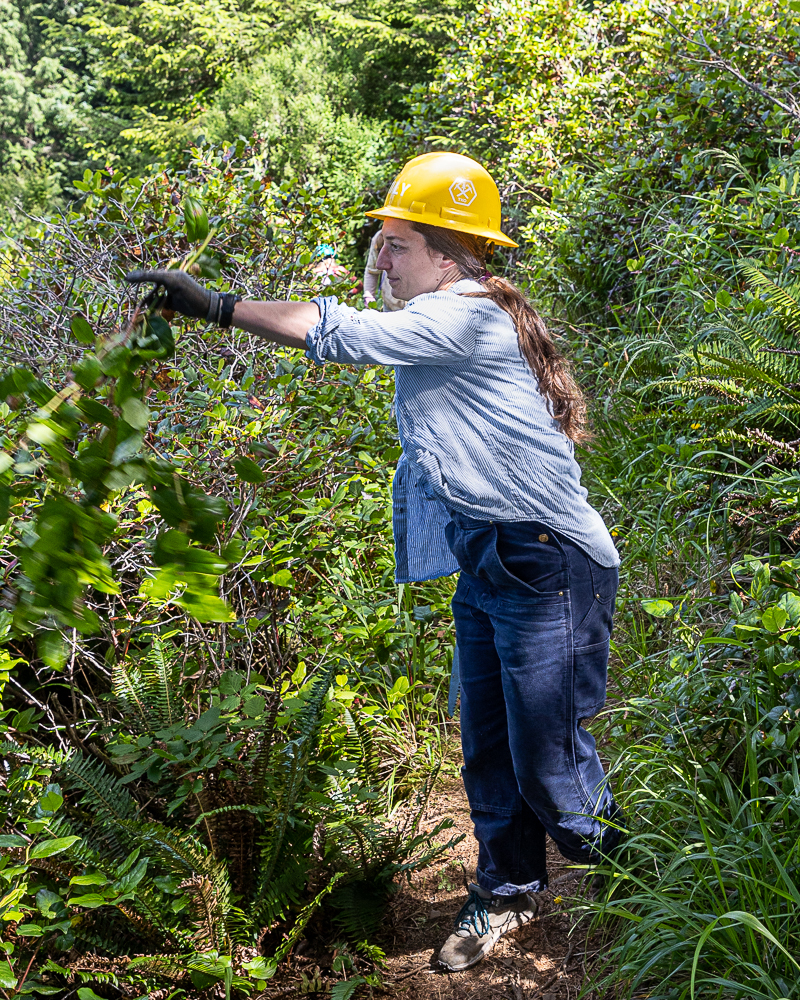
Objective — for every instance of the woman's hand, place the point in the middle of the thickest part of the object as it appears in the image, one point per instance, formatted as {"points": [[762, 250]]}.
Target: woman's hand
{"points": [[184, 294], [281, 322]]}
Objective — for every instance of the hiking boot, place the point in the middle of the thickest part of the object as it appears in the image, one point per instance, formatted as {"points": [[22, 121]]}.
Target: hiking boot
{"points": [[481, 922]]}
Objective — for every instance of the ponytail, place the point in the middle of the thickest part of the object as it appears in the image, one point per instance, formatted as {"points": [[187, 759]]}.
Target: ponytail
{"points": [[536, 345]]}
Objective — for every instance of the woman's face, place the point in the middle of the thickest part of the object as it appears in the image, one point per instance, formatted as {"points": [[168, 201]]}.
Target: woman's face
{"points": [[411, 269]]}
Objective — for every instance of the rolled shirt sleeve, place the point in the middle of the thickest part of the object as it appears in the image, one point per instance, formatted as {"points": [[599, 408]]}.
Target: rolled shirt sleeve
{"points": [[433, 329]]}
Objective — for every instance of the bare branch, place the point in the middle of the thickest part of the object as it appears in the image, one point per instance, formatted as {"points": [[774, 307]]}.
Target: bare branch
{"points": [[717, 61]]}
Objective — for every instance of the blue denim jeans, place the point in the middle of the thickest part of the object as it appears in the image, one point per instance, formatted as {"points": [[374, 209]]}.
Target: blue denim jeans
{"points": [[533, 620]]}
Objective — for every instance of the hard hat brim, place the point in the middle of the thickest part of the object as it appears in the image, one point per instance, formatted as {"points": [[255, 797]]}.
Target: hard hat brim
{"points": [[433, 220]]}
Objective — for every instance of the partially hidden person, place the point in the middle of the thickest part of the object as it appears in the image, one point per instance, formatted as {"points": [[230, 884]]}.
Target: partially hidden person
{"points": [[375, 281], [487, 486]]}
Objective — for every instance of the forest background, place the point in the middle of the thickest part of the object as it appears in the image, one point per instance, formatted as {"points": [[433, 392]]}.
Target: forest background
{"points": [[221, 716]]}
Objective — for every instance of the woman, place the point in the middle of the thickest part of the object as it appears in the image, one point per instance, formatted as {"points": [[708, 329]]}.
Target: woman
{"points": [[488, 414]]}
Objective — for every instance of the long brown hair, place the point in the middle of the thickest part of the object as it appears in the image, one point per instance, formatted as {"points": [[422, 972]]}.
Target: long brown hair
{"points": [[556, 383]]}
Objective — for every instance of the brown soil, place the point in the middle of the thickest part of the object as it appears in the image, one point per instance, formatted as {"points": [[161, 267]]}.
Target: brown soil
{"points": [[542, 960], [545, 960]]}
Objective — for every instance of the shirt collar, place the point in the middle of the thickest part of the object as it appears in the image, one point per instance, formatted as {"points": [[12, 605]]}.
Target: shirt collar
{"points": [[466, 285]]}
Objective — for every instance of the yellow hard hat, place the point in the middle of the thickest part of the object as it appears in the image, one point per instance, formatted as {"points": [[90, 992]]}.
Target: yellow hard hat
{"points": [[447, 190]]}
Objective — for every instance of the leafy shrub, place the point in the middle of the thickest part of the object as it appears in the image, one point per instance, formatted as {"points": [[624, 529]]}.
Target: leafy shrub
{"points": [[229, 753], [202, 831]]}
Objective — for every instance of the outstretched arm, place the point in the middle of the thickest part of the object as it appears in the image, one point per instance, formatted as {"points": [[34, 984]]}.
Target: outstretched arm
{"points": [[281, 322], [284, 323]]}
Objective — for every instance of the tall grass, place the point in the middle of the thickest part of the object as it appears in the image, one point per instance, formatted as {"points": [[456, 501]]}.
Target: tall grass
{"points": [[704, 900]]}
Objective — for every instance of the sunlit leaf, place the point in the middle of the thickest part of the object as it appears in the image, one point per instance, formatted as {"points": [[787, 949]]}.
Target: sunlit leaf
{"points": [[658, 608]]}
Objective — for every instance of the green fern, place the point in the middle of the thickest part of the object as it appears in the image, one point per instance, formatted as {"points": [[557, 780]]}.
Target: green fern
{"points": [[147, 690], [345, 989]]}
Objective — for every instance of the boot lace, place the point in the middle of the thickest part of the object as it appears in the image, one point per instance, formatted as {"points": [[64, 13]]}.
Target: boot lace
{"points": [[474, 915]]}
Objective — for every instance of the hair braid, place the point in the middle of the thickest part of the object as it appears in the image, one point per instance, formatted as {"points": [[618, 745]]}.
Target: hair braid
{"points": [[536, 345]]}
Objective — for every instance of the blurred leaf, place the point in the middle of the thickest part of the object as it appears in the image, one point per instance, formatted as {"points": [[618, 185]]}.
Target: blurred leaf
{"points": [[248, 471], [81, 330], [282, 578]]}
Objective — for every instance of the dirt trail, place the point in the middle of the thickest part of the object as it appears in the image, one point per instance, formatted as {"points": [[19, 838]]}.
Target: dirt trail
{"points": [[541, 961]]}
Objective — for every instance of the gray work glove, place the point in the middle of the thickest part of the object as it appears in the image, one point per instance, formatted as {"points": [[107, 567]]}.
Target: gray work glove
{"points": [[187, 296]]}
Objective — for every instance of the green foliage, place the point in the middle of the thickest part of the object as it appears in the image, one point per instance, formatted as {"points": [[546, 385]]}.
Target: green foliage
{"points": [[648, 163], [74, 438], [648, 160], [303, 109], [247, 771], [95, 84], [273, 811], [704, 896]]}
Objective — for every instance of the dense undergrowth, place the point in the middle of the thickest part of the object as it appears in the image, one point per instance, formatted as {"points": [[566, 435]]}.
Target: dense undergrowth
{"points": [[228, 698], [248, 683]]}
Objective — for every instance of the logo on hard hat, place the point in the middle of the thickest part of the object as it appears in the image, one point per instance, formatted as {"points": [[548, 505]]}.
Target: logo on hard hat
{"points": [[462, 191]]}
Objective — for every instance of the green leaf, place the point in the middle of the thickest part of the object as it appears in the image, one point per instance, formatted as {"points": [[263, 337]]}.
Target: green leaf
{"points": [[81, 330], [85, 993], [774, 619], [7, 980], [202, 980], [658, 608], [195, 220], [346, 988], [52, 800], [791, 603], [115, 361], [91, 900], [41, 433], [136, 414], [230, 682], [12, 840], [97, 878], [722, 299], [781, 237], [30, 930], [46, 902], [248, 471], [127, 449], [261, 968], [254, 706], [283, 578], [47, 848], [87, 373]]}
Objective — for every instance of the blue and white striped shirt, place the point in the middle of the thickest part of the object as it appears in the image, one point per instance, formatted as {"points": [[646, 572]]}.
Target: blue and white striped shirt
{"points": [[477, 435]]}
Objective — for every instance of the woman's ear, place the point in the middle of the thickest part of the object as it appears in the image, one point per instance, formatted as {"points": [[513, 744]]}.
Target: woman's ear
{"points": [[441, 262]]}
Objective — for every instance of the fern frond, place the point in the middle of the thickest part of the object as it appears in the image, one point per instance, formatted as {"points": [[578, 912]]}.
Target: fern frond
{"points": [[294, 757], [147, 690], [31, 752], [159, 672], [777, 296], [181, 855], [169, 966], [259, 759], [105, 804]]}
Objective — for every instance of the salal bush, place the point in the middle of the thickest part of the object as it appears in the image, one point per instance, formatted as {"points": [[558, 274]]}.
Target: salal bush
{"points": [[198, 590]]}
